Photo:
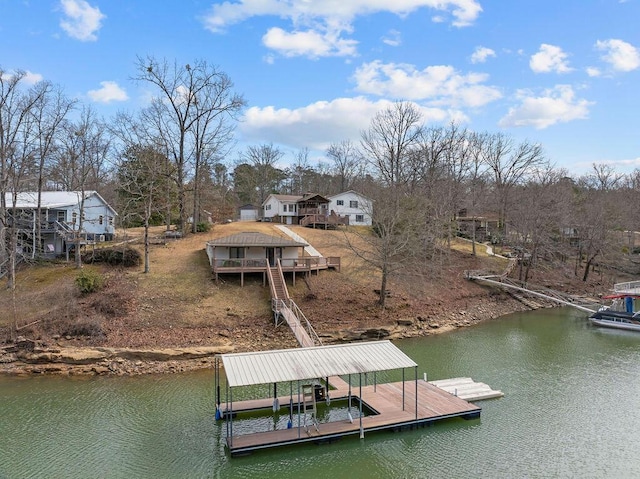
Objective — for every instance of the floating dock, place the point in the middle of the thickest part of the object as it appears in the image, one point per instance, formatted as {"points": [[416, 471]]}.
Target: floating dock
{"points": [[467, 389], [385, 401], [309, 375]]}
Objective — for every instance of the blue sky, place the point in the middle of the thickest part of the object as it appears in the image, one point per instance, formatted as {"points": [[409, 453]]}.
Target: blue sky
{"points": [[562, 73]]}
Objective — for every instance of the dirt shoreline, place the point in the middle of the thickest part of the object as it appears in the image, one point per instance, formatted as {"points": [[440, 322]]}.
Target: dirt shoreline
{"points": [[34, 358]]}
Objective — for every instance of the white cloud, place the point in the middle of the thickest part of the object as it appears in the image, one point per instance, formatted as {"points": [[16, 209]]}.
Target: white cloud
{"points": [[549, 58], [622, 56], [556, 105], [308, 43], [393, 38], [109, 92], [28, 77], [439, 85], [32, 78], [321, 123], [593, 72], [328, 19], [481, 54], [81, 20]]}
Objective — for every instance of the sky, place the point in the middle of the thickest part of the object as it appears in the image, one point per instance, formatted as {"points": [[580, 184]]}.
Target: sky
{"points": [[562, 73]]}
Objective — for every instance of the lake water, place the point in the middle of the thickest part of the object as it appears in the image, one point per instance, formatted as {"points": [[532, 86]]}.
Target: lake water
{"points": [[571, 409]]}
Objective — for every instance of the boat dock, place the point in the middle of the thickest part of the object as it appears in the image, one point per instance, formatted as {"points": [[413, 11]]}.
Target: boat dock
{"points": [[385, 401], [311, 401]]}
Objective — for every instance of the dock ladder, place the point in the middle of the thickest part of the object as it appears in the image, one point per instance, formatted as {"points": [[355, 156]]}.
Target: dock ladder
{"points": [[309, 406]]}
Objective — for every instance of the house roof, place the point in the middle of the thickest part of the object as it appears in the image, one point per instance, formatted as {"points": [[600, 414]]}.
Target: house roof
{"points": [[347, 192], [255, 239], [52, 199], [310, 196], [282, 198], [265, 367]]}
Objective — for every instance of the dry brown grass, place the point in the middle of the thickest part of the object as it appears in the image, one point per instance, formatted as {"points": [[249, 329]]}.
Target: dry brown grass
{"points": [[178, 304]]}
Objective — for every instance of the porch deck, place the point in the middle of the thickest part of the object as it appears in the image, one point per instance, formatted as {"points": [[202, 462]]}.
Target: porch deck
{"points": [[300, 265]]}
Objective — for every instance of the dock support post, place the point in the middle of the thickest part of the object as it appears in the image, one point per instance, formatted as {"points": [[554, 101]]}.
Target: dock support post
{"points": [[298, 409], [361, 428]]}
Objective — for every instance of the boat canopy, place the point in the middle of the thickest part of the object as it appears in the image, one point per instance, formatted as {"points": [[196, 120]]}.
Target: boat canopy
{"points": [[264, 367]]}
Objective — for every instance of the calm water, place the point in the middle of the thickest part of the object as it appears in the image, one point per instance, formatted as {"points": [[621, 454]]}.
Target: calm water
{"points": [[571, 409]]}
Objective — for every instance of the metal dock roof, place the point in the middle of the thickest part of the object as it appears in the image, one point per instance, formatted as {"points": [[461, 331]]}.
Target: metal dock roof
{"points": [[264, 367]]}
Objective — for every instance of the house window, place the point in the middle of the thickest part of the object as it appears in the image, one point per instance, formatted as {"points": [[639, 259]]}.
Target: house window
{"points": [[111, 220], [74, 217], [359, 218], [353, 204], [100, 219], [340, 202], [62, 216], [267, 207], [236, 252]]}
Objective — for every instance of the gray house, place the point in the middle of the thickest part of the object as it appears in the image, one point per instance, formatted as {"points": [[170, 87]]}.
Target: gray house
{"points": [[60, 220]]}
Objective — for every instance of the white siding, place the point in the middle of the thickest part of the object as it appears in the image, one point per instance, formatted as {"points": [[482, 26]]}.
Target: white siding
{"points": [[360, 212]]}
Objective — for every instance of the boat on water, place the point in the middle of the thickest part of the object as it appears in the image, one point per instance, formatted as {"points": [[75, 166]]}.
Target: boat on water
{"points": [[623, 312], [616, 319]]}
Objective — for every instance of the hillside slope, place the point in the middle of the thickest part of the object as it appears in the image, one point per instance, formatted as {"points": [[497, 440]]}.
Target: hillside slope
{"points": [[178, 304]]}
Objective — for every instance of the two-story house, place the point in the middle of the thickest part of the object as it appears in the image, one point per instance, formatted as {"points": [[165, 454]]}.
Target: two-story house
{"points": [[356, 207], [313, 209], [59, 222]]}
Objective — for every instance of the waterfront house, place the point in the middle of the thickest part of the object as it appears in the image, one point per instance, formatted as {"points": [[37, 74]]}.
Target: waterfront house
{"points": [[253, 252], [60, 225]]}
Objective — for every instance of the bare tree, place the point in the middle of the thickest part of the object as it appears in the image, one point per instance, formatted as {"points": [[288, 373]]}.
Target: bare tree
{"points": [[192, 109], [509, 164], [17, 159], [84, 151], [48, 114], [265, 175], [346, 162], [388, 145]]}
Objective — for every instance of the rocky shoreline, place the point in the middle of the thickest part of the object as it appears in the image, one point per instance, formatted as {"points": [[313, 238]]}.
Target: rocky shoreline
{"points": [[26, 357]]}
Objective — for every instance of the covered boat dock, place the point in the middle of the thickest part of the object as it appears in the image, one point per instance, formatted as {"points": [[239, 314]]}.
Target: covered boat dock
{"points": [[311, 377]]}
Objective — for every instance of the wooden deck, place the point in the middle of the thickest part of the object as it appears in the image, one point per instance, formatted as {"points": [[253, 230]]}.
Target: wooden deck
{"points": [[385, 399]]}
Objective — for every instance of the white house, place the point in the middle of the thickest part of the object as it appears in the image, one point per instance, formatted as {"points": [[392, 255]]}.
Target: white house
{"points": [[352, 204], [285, 207], [60, 219]]}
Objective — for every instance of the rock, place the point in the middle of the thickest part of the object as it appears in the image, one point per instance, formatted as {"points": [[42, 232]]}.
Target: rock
{"points": [[405, 322]]}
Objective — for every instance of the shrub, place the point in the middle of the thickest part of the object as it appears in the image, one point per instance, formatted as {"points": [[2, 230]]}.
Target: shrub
{"points": [[203, 227], [82, 327], [114, 256], [89, 281]]}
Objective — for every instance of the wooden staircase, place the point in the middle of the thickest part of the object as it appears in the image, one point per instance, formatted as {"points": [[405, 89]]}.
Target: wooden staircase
{"points": [[278, 286]]}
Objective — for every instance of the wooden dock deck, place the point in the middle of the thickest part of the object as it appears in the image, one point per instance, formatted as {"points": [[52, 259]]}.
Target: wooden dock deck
{"points": [[385, 400]]}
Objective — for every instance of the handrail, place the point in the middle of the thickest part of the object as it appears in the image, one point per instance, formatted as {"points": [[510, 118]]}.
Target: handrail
{"points": [[300, 315], [272, 287], [631, 285]]}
